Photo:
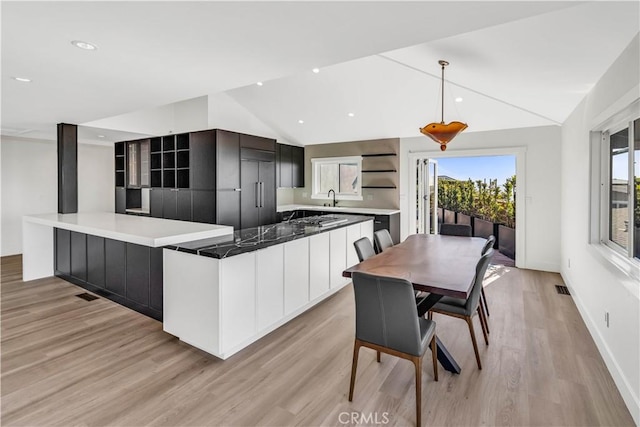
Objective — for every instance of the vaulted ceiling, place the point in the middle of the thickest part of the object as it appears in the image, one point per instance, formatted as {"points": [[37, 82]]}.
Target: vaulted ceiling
{"points": [[514, 64]]}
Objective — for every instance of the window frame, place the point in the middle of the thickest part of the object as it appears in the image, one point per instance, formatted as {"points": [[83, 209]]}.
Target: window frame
{"points": [[315, 177], [600, 231]]}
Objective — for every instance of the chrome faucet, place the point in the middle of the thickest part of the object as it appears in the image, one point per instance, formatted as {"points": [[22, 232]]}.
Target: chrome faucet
{"points": [[334, 197]]}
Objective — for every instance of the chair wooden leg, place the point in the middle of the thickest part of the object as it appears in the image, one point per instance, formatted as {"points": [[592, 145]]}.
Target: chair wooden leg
{"points": [[434, 356], [483, 324], [484, 298], [354, 367], [473, 340], [378, 356], [417, 361]]}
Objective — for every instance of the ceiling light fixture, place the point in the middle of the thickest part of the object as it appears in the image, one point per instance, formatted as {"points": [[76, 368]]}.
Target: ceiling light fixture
{"points": [[84, 45], [316, 70], [458, 99], [21, 79], [100, 136], [301, 121], [350, 114], [439, 132], [259, 83]]}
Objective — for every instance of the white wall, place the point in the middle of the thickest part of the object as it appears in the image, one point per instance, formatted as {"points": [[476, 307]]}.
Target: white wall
{"points": [[30, 183], [595, 283], [226, 113], [542, 179], [179, 117]]}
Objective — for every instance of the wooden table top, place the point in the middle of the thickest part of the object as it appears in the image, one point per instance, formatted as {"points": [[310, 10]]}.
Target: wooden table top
{"points": [[444, 265]]}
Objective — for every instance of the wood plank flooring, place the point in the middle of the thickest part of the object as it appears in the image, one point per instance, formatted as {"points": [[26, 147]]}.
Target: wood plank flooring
{"points": [[66, 361]]}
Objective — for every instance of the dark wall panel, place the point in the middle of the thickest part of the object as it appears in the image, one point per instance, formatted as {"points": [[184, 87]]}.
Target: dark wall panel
{"points": [[79, 255], [67, 168], [63, 251], [138, 273], [155, 279], [115, 266], [95, 260]]}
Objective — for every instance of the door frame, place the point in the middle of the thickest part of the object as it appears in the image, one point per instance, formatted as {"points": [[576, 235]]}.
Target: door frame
{"points": [[520, 155]]}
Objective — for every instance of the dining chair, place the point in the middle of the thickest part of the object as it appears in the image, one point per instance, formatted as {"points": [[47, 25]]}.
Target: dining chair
{"points": [[382, 240], [455, 230], [387, 321], [364, 248], [467, 308], [491, 240]]}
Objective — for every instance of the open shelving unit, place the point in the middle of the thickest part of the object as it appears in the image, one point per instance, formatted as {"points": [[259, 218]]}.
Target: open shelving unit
{"points": [[119, 150], [380, 170], [170, 161]]}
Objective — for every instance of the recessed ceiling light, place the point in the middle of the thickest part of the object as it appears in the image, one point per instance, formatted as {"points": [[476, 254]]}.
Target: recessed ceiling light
{"points": [[21, 79], [259, 83], [316, 70], [301, 121], [350, 114], [84, 45], [458, 99], [100, 136]]}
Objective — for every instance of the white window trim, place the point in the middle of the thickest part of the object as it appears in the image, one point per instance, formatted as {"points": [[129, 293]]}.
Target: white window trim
{"points": [[617, 257], [315, 177]]}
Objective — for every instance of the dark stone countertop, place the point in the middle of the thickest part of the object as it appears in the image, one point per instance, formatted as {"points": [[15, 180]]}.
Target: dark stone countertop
{"points": [[251, 239]]}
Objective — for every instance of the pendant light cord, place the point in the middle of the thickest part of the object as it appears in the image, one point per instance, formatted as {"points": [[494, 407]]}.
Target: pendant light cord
{"points": [[442, 105]]}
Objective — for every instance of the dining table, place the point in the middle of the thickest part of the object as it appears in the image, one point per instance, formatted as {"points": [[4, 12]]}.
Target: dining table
{"points": [[438, 264]]}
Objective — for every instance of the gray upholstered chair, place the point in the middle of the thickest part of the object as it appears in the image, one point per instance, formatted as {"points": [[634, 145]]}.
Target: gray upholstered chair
{"points": [[455, 230], [491, 240], [466, 308], [364, 248], [382, 240], [387, 321]]}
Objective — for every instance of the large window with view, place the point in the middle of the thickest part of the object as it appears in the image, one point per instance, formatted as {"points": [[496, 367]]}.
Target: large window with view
{"points": [[340, 174], [621, 225]]}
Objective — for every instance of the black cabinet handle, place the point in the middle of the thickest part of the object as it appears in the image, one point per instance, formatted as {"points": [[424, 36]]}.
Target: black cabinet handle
{"points": [[261, 194], [257, 195]]}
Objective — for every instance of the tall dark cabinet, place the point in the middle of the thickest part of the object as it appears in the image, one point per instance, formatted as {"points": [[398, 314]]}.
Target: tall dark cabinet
{"points": [[258, 202], [197, 176], [289, 166]]}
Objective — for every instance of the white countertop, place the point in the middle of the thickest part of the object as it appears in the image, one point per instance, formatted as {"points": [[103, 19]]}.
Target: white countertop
{"points": [[369, 211], [153, 232]]}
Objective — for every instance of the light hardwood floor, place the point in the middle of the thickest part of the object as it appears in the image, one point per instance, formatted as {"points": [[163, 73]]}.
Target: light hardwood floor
{"points": [[66, 361]]}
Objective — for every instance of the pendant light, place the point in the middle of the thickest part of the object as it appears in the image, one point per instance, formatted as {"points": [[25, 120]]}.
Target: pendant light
{"points": [[440, 132]]}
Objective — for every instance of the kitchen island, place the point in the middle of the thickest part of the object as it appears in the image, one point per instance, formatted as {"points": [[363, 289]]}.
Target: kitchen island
{"points": [[117, 256], [222, 294]]}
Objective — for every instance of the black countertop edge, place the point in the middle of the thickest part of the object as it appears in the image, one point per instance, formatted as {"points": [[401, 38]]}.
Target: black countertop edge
{"points": [[252, 239]]}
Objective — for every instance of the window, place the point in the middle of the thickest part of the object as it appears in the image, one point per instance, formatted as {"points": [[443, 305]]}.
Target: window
{"points": [[620, 228], [340, 174]]}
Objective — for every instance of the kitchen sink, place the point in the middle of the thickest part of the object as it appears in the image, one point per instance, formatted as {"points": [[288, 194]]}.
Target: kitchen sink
{"points": [[320, 221]]}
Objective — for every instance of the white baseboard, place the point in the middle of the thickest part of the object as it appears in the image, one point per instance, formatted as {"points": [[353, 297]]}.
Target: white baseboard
{"points": [[629, 397], [553, 267]]}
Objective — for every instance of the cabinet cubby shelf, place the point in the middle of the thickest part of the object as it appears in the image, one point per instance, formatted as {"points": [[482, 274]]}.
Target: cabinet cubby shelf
{"points": [[379, 155]]}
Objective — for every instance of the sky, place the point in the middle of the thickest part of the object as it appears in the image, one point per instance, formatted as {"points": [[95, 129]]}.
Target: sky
{"points": [[489, 167]]}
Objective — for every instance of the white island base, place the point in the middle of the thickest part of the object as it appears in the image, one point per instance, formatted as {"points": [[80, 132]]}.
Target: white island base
{"points": [[223, 305]]}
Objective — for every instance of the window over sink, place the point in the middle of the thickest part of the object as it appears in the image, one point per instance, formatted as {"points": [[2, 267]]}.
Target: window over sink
{"points": [[340, 174]]}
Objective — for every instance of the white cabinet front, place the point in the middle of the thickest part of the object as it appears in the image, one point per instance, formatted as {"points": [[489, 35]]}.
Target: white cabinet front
{"points": [[270, 285], [237, 299], [296, 274], [338, 256], [318, 265]]}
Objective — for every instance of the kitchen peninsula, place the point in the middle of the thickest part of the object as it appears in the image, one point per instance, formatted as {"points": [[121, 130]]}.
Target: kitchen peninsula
{"points": [[117, 256], [222, 294]]}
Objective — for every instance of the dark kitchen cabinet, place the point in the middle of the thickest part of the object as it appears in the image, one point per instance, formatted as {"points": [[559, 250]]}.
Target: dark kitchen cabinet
{"points": [[388, 222], [203, 160], [155, 279], [79, 255], [258, 205], [63, 251], [289, 166], [183, 205], [155, 202], [170, 203], [121, 200], [137, 274], [203, 204], [228, 160], [297, 167], [286, 166], [228, 208], [115, 262], [138, 171], [95, 261], [257, 143]]}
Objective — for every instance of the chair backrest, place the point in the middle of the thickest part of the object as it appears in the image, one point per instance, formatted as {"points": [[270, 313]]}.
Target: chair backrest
{"points": [[386, 312], [382, 240], [455, 230], [491, 240], [481, 269], [364, 248]]}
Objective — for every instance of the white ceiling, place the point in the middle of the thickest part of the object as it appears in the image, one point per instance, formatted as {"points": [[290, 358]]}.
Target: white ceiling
{"points": [[514, 63]]}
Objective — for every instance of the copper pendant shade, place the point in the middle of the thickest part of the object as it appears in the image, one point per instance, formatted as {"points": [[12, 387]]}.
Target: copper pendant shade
{"points": [[440, 132]]}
